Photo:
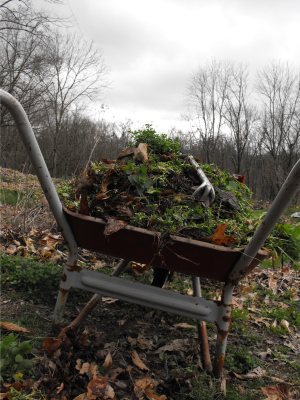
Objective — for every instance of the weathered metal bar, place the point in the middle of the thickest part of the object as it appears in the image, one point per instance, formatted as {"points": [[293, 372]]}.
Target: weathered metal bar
{"points": [[202, 332], [89, 307], [146, 295], [41, 170]]}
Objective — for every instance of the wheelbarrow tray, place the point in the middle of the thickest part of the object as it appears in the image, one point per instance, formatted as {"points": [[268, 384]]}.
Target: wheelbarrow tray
{"points": [[191, 257]]}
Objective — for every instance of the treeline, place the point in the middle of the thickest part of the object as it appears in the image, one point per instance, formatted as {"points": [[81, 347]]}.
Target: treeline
{"points": [[245, 124]]}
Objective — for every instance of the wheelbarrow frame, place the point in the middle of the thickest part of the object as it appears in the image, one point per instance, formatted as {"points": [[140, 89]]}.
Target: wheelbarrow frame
{"points": [[217, 312]]}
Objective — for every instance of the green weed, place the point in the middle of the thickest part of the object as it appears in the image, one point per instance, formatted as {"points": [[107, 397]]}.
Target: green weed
{"points": [[11, 197], [157, 143], [34, 395], [13, 362]]}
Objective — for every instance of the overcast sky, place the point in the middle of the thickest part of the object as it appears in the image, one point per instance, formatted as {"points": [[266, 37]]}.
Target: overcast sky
{"points": [[152, 46]]}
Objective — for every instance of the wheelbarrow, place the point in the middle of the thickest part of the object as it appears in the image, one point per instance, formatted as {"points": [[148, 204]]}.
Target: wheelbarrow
{"points": [[191, 257]]}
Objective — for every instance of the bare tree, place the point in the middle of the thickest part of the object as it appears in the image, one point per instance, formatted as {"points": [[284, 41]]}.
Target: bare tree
{"points": [[74, 73], [240, 114], [207, 91], [279, 88]]}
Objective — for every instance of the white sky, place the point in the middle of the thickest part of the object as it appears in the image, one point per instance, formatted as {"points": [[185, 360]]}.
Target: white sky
{"points": [[152, 46]]}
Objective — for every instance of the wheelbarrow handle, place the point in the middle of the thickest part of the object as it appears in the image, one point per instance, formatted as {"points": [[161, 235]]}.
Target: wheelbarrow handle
{"points": [[41, 170]]}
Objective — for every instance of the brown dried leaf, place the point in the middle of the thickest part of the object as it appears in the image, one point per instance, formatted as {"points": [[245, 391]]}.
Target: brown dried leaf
{"points": [[108, 361], [138, 362], [84, 205], [272, 284], [184, 326], [109, 300], [142, 342], [219, 238], [256, 373], [141, 384], [239, 178], [51, 240], [154, 396], [12, 327], [175, 345], [125, 153], [278, 392], [140, 153], [114, 225], [11, 249], [82, 396], [139, 269], [108, 162]]}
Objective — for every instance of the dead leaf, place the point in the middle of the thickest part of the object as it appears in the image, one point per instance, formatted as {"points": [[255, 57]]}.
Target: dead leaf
{"points": [[154, 396], [219, 238], [109, 300], [284, 324], [114, 225], [51, 240], [12, 327], [125, 153], [138, 362], [142, 342], [272, 284], [223, 386], [99, 388], [256, 373], [11, 249], [60, 388], [184, 326], [175, 345], [241, 390], [82, 396], [278, 392], [108, 162], [108, 361], [139, 269], [46, 252], [239, 178], [141, 384], [140, 153]]}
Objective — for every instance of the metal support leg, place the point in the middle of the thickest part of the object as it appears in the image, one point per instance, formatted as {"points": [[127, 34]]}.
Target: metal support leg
{"points": [[223, 325], [202, 332], [88, 308]]}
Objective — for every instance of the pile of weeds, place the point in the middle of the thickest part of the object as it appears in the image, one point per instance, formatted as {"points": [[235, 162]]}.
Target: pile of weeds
{"points": [[157, 193]]}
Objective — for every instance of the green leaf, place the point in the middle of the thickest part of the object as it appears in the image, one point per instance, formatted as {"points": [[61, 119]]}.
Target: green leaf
{"points": [[18, 358], [231, 185]]}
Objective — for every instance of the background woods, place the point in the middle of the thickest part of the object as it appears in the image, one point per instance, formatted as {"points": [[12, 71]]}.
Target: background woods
{"points": [[244, 122]]}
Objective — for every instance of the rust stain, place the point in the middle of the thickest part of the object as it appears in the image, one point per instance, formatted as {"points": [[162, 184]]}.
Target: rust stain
{"points": [[223, 332], [218, 365], [64, 277], [64, 293], [75, 268]]}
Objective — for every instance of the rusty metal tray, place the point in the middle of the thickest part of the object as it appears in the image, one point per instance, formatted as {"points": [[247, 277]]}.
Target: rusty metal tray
{"points": [[188, 256]]}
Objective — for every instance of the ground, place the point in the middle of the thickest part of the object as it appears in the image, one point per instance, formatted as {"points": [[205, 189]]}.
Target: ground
{"points": [[126, 351]]}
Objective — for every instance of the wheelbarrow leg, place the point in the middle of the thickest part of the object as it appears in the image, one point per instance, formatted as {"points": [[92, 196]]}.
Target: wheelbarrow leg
{"points": [[88, 308], [59, 309], [202, 332], [223, 326]]}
